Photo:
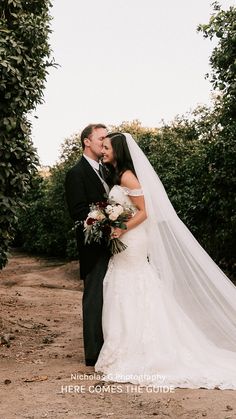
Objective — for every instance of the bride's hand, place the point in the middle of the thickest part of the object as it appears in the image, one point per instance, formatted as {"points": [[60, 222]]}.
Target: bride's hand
{"points": [[117, 232]]}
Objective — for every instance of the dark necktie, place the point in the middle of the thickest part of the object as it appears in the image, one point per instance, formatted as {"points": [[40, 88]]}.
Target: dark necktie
{"points": [[101, 171]]}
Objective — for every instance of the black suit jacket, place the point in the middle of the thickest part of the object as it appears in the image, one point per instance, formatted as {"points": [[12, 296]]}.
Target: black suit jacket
{"points": [[83, 187]]}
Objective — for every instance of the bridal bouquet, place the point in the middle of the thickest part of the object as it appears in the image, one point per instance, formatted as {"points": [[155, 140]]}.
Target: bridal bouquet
{"points": [[102, 219]]}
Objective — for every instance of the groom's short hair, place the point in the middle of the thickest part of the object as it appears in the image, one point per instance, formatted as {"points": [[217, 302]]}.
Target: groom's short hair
{"points": [[87, 131]]}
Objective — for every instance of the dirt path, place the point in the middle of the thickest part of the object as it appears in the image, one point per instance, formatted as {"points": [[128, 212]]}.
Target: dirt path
{"points": [[42, 371]]}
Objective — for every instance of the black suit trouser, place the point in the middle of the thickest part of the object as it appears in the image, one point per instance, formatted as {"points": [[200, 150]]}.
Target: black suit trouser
{"points": [[92, 308]]}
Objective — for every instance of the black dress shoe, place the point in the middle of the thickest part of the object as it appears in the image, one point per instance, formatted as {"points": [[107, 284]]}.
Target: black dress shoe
{"points": [[90, 362]]}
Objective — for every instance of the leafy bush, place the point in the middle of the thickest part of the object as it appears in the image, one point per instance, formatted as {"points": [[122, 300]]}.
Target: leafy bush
{"points": [[24, 54]]}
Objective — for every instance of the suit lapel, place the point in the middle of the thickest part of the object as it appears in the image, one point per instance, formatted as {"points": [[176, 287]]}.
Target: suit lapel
{"points": [[90, 173]]}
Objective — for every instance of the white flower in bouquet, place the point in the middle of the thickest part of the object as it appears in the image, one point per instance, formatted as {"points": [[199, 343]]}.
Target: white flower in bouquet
{"points": [[100, 217], [96, 215], [115, 212], [109, 209], [113, 216], [119, 209]]}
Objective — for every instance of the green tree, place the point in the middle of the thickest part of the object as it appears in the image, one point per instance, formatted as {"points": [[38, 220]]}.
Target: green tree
{"points": [[222, 25], [221, 150], [24, 59]]}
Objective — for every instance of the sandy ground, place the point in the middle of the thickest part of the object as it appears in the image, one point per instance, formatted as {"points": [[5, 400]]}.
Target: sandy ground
{"points": [[42, 371]]}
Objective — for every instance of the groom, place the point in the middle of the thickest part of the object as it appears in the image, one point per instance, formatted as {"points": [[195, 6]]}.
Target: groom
{"points": [[85, 185]]}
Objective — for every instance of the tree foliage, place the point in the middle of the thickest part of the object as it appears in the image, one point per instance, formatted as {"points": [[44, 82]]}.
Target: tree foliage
{"points": [[24, 59], [221, 153], [222, 25], [46, 228]]}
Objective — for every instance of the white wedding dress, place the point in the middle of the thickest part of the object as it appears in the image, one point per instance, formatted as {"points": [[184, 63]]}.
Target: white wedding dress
{"points": [[148, 338]]}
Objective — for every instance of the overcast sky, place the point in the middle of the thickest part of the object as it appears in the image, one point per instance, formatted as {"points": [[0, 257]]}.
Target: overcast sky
{"points": [[122, 60]]}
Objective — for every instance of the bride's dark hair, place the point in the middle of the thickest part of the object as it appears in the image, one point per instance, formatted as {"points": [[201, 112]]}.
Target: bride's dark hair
{"points": [[122, 156]]}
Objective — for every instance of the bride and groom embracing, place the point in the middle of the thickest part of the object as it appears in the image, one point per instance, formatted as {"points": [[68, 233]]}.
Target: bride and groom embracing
{"points": [[160, 312]]}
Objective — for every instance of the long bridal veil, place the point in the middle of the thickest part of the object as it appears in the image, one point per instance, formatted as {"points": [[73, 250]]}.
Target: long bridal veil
{"points": [[198, 285]]}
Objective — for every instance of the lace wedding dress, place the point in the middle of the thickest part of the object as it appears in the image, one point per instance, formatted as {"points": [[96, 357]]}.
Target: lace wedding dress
{"points": [[148, 338]]}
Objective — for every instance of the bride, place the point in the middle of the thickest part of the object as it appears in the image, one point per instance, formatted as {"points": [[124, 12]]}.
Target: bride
{"points": [[169, 315]]}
